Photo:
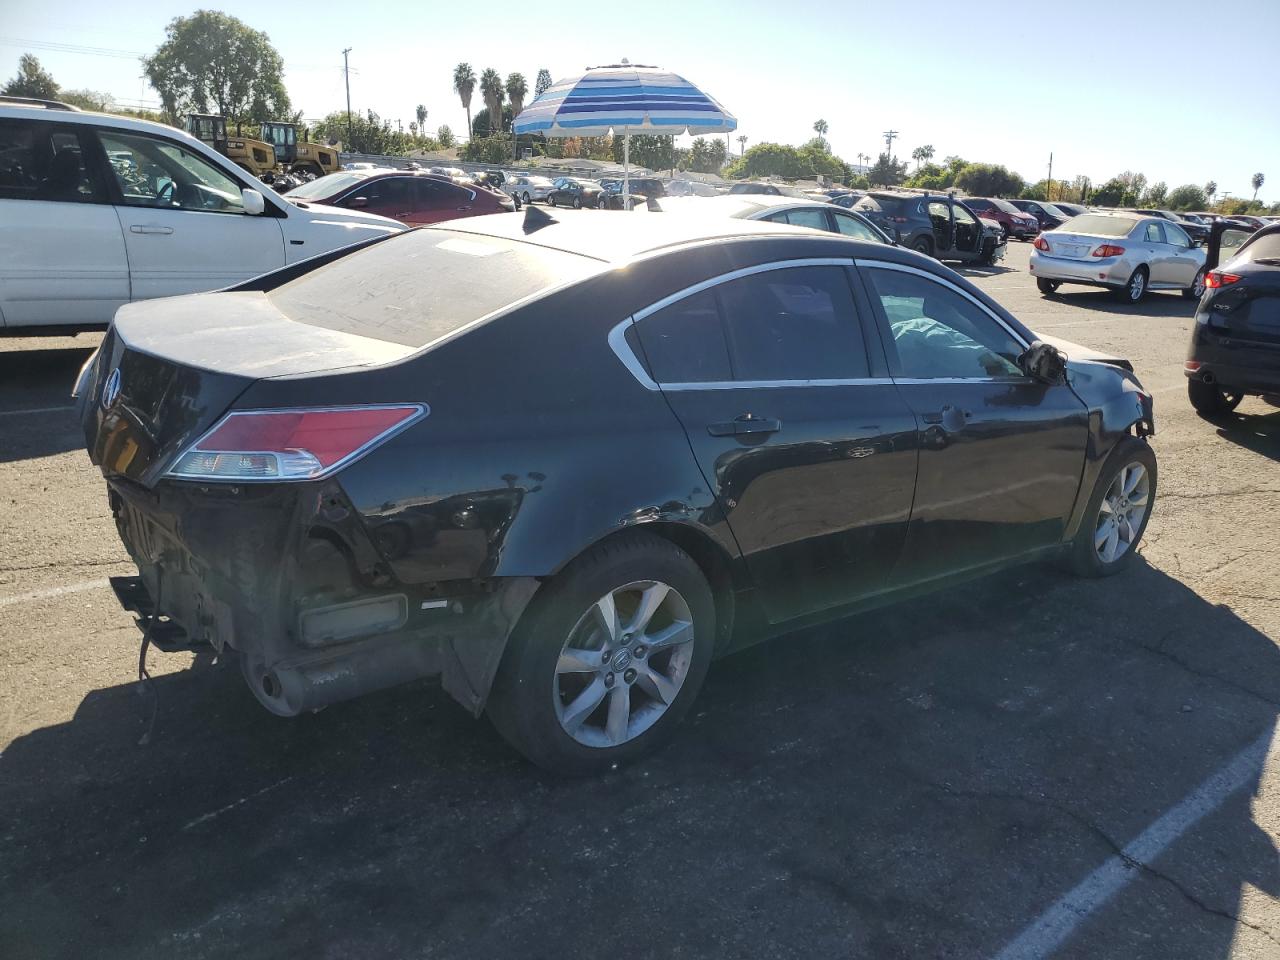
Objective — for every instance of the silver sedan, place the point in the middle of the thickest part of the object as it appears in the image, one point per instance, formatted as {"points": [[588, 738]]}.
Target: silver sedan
{"points": [[1124, 252]]}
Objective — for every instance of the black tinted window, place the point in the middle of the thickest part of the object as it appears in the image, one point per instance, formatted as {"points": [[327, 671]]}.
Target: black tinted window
{"points": [[793, 324], [939, 333], [684, 343], [41, 161]]}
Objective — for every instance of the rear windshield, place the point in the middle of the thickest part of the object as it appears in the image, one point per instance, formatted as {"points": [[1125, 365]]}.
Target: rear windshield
{"points": [[1264, 248], [1097, 226], [325, 186], [423, 285], [884, 204]]}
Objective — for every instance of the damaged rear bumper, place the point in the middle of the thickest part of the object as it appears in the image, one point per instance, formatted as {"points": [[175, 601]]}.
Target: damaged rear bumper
{"points": [[288, 579]]}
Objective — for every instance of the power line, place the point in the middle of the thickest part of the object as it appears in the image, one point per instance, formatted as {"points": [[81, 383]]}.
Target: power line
{"points": [[59, 47]]}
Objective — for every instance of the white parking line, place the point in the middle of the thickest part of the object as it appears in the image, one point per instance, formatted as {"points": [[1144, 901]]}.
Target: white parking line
{"points": [[14, 413], [1056, 924], [52, 592]]}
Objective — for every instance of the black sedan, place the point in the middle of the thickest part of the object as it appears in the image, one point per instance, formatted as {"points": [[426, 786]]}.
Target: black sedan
{"points": [[576, 193], [564, 465], [1235, 344]]}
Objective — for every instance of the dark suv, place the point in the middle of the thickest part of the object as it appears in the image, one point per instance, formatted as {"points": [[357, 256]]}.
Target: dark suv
{"points": [[1049, 216], [1014, 223], [941, 227], [642, 188]]}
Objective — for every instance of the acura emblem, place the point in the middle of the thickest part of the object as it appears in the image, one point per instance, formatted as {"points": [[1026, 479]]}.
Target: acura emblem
{"points": [[111, 389]]}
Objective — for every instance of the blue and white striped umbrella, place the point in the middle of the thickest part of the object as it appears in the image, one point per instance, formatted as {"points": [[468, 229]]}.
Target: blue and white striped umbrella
{"points": [[623, 98]]}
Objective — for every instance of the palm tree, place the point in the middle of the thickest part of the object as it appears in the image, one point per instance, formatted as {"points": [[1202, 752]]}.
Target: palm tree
{"points": [[742, 144], [421, 112], [820, 128], [492, 93], [464, 84], [517, 87], [1210, 189], [1256, 181], [922, 155]]}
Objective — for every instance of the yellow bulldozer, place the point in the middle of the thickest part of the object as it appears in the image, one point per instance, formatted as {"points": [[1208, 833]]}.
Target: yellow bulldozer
{"points": [[278, 151]]}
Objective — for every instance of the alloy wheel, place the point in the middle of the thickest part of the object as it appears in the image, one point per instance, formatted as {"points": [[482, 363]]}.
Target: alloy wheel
{"points": [[1121, 512], [1197, 286], [1137, 284], [623, 663]]}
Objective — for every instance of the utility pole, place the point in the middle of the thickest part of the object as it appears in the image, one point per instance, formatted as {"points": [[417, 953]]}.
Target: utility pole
{"points": [[1048, 190], [346, 78], [888, 142]]}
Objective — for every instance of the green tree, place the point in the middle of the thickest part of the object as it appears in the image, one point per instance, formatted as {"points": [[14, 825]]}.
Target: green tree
{"points": [[1187, 197], [464, 84], [654, 152], [445, 135], [493, 95], [368, 134], [1155, 195], [496, 149], [820, 127], [1134, 185], [705, 155], [887, 171], [544, 80], [482, 124], [1256, 181], [1210, 189], [988, 180], [1111, 193], [420, 111], [922, 155], [930, 176], [87, 99], [211, 62], [32, 81]]}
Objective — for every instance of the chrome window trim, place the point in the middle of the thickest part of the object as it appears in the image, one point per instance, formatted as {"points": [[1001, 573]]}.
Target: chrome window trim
{"points": [[903, 268], [736, 274]]}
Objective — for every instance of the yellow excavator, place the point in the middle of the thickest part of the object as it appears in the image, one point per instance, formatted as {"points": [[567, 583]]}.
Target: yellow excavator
{"points": [[278, 151]]}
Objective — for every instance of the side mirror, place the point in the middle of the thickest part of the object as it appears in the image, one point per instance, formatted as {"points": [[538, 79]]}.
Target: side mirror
{"points": [[1044, 362], [253, 203], [357, 202]]}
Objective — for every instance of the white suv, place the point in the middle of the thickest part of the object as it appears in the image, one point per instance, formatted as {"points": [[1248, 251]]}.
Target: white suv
{"points": [[97, 210]]}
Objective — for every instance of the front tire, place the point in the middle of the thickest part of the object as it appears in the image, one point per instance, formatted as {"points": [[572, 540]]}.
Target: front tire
{"points": [[608, 659], [1196, 290], [577, 203], [1211, 400], [1118, 511], [1135, 288], [923, 245], [1047, 287]]}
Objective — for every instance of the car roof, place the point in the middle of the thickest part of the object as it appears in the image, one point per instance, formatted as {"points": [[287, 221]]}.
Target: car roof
{"points": [[741, 206], [619, 237]]}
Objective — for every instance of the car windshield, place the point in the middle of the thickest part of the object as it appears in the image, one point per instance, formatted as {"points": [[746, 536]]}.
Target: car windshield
{"points": [[1053, 211], [1004, 206], [1096, 225], [424, 285], [326, 186]]}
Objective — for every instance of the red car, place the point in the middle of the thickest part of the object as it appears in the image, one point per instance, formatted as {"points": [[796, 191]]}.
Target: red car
{"points": [[1014, 222], [404, 195]]}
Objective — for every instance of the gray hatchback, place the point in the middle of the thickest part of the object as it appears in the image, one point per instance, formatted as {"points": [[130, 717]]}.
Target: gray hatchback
{"points": [[938, 226]]}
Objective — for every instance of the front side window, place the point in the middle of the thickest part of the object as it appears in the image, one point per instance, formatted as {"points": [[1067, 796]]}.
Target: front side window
{"points": [[938, 210], [963, 215], [796, 323], [158, 173], [938, 333], [1175, 235], [43, 161]]}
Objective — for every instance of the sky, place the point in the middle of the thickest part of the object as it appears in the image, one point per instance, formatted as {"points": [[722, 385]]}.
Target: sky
{"points": [[1130, 85]]}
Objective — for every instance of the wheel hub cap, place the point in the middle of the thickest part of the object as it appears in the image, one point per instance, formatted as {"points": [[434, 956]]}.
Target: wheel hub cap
{"points": [[621, 661]]}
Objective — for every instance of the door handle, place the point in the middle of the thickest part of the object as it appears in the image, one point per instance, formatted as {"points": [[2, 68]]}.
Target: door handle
{"points": [[149, 228], [745, 424]]}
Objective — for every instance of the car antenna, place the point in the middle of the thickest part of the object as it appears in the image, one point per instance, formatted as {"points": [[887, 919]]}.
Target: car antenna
{"points": [[536, 218], [652, 205]]}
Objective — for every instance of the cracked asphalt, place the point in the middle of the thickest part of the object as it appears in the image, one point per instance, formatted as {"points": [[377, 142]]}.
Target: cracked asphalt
{"points": [[924, 781]]}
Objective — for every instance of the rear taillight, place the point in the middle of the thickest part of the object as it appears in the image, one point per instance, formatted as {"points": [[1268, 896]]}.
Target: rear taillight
{"points": [[1215, 279], [291, 444], [1108, 250], [1041, 244], [897, 219]]}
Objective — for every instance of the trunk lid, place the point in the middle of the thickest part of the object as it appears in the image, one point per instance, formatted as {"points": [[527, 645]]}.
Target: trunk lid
{"points": [[1075, 246], [169, 369]]}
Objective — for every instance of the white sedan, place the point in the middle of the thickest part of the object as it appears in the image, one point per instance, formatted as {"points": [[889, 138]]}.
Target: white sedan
{"points": [[526, 189], [1126, 253]]}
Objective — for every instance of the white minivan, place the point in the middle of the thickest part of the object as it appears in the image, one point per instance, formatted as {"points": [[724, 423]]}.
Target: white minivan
{"points": [[97, 211]]}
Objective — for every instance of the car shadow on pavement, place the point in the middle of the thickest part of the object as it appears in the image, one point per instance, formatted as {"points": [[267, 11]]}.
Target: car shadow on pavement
{"points": [[920, 781], [1259, 432], [39, 381], [966, 270], [1159, 304]]}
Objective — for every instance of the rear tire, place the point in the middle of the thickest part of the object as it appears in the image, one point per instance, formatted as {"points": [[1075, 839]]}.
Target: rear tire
{"points": [[577, 203], [1104, 529], [1196, 290], [525, 196], [1047, 287], [1135, 288], [923, 245], [1211, 400], [550, 699]]}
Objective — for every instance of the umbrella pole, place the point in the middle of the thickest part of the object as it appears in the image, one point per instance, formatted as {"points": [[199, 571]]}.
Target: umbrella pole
{"points": [[626, 168]]}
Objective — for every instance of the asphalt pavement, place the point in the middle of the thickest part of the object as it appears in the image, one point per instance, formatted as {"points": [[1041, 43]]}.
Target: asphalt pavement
{"points": [[1029, 766]]}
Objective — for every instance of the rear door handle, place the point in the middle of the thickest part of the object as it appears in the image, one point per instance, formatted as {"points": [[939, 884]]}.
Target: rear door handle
{"points": [[149, 228], [744, 424]]}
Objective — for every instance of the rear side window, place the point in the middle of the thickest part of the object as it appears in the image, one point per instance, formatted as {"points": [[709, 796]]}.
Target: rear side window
{"points": [[684, 342], [797, 323], [44, 161], [1153, 234], [424, 285]]}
